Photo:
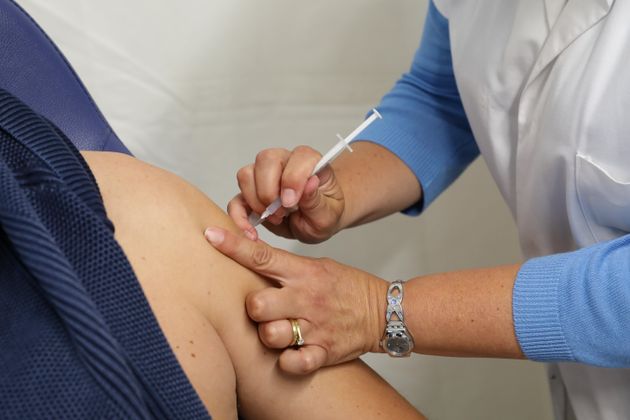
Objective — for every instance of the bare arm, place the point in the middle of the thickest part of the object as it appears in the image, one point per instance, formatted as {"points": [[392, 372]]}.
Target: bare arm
{"points": [[465, 313], [198, 297], [376, 183]]}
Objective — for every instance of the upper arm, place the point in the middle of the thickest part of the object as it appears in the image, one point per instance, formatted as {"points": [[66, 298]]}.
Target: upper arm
{"points": [[167, 228]]}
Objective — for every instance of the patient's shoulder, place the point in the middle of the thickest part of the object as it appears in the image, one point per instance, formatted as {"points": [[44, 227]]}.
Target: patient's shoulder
{"points": [[198, 297], [159, 220], [160, 217], [154, 191]]}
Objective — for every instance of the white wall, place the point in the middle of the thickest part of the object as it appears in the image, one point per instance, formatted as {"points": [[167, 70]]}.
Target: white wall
{"points": [[198, 87]]}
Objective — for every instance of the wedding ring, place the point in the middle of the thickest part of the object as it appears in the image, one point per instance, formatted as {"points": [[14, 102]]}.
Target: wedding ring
{"points": [[298, 341]]}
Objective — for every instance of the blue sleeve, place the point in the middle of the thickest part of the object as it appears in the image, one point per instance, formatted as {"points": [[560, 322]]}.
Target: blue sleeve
{"points": [[576, 306], [424, 122]]}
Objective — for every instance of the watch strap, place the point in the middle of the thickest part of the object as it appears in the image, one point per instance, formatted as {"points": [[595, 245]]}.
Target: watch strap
{"points": [[397, 340], [394, 302]]}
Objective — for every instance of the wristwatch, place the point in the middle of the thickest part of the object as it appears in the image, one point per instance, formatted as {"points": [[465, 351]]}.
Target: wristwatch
{"points": [[397, 340]]}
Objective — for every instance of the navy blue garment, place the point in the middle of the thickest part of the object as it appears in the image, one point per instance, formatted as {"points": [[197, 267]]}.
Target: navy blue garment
{"points": [[33, 69], [78, 339]]}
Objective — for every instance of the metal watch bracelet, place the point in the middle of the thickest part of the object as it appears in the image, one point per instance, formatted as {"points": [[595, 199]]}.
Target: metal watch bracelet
{"points": [[397, 340]]}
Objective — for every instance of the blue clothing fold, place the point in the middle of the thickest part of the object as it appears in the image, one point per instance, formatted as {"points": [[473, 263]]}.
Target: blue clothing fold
{"points": [[78, 337]]}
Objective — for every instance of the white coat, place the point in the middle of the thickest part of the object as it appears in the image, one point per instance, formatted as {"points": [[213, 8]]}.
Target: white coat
{"points": [[546, 87]]}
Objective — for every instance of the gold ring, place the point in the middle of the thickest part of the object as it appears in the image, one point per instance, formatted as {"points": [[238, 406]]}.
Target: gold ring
{"points": [[297, 333]]}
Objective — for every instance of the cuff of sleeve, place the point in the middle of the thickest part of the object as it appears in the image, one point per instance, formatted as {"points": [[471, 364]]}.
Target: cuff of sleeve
{"points": [[420, 158], [536, 312]]}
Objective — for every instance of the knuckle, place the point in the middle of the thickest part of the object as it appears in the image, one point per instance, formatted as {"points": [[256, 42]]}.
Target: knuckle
{"points": [[244, 174], [308, 363], [262, 156], [268, 154], [299, 169], [269, 332], [262, 256], [305, 150], [255, 305]]}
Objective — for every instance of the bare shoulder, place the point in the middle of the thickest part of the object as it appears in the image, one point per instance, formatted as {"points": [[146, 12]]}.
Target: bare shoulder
{"points": [[121, 177], [159, 220], [159, 215], [198, 296]]}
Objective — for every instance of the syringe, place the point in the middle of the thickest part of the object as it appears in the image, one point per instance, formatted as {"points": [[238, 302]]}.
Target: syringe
{"points": [[344, 143]]}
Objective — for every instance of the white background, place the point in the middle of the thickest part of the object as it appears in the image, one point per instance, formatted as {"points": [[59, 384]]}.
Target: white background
{"points": [[199, 87]]}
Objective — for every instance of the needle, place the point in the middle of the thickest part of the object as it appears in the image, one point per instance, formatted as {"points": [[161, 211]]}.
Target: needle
{"points": [[344, 143]]}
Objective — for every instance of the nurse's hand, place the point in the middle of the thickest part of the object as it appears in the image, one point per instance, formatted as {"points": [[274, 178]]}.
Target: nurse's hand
{"points": [[340, 310], [318, 200]]}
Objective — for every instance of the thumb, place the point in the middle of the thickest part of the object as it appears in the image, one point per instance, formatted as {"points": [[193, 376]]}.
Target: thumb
{"points": [[256, 255], [321, 207], [320, 193], [311, 198]]}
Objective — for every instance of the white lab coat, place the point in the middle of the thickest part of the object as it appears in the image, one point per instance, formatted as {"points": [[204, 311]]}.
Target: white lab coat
{"points": [[546, 88]]}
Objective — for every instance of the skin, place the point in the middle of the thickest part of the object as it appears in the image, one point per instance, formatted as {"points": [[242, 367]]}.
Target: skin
{"points": [[463, 313], [350, 192], [198, 295]]}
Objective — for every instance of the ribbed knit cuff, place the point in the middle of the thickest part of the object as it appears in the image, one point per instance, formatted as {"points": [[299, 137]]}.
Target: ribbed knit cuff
{"points": [[536, 312], [418, 156]]}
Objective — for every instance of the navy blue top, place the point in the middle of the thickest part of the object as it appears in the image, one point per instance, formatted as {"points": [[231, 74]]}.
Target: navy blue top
{"points": [[78, 339], [33, 69]]}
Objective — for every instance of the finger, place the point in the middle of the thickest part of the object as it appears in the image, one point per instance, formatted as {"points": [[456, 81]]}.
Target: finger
{"points": [[271, 304], [278, 216], [311, 199], [320, 208], [238, 210], [314, 192], [258, 256], [268, 172], [279, 334], [303, 360], [247, 185], [281, 229], [297, 171]]}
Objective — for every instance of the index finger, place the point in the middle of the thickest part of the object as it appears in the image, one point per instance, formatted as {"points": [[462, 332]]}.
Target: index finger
{"points": [[297, 172], [257, 255], [238, 210]]}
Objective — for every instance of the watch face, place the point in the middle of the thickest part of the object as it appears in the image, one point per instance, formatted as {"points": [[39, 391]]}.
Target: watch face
{"points": [[398, 345]]}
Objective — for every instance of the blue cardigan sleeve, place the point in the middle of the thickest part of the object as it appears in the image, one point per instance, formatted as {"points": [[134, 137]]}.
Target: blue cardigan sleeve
{"points": [[424, 122], [567, 307], [576, 306]]}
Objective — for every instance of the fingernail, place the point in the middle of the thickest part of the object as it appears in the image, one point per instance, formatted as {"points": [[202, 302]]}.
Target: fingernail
{"points": [[311, 187], [289, 197], [275, 220], [215, 236]]}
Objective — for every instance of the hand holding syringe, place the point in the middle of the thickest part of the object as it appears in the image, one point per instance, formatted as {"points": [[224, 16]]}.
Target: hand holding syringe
{"points": [[344, 143]]}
